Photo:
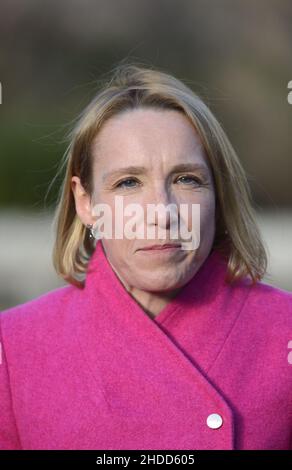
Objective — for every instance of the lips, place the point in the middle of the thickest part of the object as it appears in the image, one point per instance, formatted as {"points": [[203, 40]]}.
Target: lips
{"points": [[161, 247]]}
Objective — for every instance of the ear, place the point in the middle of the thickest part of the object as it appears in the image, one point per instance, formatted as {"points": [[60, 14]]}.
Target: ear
{"points": [[82, 201]]}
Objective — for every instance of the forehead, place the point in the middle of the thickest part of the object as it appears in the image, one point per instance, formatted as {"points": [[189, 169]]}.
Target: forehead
{"points": [[149, 137]]}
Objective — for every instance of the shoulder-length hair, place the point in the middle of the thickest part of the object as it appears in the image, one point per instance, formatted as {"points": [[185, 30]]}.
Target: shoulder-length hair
{"points": [[131, 86]]}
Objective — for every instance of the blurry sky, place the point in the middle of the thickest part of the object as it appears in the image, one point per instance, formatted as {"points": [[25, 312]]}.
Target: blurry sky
{"points": [[236, 53]]}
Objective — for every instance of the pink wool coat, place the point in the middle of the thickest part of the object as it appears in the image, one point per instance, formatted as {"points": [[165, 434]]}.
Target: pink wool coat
{"points": [[89, 369]]}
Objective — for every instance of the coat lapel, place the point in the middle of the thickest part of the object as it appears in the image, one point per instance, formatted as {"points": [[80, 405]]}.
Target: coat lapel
{"points": [[130, 354]]}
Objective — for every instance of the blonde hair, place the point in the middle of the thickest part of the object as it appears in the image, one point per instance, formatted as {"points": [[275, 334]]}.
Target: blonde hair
{"points": [[131, 86]]}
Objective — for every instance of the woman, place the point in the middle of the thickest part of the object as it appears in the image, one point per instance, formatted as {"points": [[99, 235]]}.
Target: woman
{"points": [[150, 348]]}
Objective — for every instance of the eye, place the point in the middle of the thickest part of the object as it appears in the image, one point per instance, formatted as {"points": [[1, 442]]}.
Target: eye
{"points": [[123, 183], [189, 180]]}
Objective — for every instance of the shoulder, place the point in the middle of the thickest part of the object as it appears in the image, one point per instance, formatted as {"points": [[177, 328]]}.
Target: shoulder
{"points": [[271, 297], [271, 306], [43, 310]]}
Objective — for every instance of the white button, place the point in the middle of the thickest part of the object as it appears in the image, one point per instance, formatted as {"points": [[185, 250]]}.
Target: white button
{"points": [[214, 421]]}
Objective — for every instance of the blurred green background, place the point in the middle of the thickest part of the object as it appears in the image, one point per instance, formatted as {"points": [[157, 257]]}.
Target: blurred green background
{"points": [[235, 54]]}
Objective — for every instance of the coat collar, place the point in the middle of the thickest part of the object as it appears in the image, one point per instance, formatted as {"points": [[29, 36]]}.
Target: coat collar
{"points": [[201, 289], [197, 321], [181, 344]]}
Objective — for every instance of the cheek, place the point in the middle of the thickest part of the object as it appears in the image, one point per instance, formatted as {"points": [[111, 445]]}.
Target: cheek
{"points": [[207, 210], [118, 252], [203, 213]]}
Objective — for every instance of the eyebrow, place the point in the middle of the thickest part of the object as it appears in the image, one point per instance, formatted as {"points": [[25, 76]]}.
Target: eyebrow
{"points": [[139, 170]]}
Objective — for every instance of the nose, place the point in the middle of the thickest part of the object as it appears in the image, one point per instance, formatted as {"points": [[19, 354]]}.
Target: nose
{"points": [[162, 209]]}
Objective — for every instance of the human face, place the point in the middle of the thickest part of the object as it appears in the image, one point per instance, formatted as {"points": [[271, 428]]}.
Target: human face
{"points": [[158, 141]]}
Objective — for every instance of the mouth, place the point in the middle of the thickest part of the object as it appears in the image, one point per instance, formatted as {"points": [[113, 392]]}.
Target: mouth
{"points": [[164, 247]]}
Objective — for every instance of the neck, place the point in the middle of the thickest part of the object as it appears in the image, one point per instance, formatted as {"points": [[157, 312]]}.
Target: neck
{"points": [[152, 302]]}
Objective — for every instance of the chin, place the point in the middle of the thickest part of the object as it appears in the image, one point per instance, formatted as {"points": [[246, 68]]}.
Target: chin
{"points": [[159, 290], [156, 285]]}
